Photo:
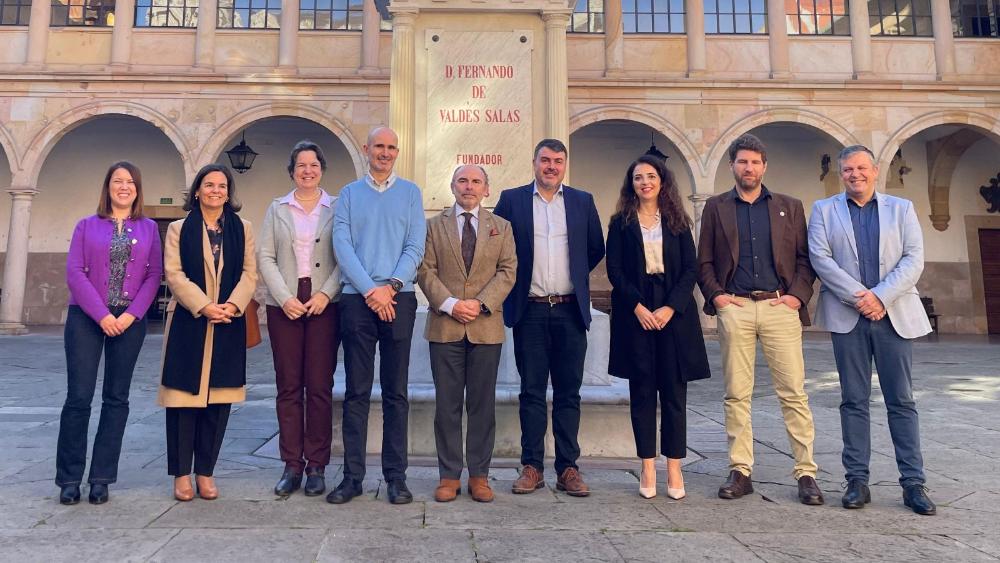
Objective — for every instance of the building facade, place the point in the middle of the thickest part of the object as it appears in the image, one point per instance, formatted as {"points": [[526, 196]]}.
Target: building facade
{"points": [[172, 84]]}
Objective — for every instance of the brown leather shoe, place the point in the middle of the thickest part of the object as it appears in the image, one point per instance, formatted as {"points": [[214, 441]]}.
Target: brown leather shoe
{"points": [[479, 488], [447, 490], [206, 487], [530, 480], [736, 486], [809, 492], [571, 482]]}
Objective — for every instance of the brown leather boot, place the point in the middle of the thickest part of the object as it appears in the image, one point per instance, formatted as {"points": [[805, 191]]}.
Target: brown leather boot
{"points": [[479, 488], [530, 480], [736, 486], [571, 482], [447, 490]]}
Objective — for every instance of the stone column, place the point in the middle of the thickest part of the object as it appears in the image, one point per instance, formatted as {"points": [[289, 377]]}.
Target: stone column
{"points": [[777, 38], [16, 261], [370, 30], [204, 49], [698, 200], [38, 32], [614, 39], [556, 78], [121, 35], [401, 84], [861, 38], [694, 27], [288, 37], [944, 40]]}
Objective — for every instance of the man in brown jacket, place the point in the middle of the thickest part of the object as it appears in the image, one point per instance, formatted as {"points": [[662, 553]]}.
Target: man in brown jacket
{"points": [[469, 268], [755, 275]]}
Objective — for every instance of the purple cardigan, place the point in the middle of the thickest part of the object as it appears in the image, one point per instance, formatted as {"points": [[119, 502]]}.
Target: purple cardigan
{"points": [[88, 268]]}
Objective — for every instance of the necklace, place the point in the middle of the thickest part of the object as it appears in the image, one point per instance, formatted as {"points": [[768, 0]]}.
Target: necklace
{"points": [[314, 198]]}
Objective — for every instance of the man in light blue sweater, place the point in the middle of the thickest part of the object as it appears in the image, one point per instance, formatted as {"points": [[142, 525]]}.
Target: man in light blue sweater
{"points": [[378, 236]]}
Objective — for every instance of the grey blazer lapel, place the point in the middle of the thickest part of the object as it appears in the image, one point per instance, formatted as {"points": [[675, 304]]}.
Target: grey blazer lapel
{"points": [[885, 221], [844, 214]]}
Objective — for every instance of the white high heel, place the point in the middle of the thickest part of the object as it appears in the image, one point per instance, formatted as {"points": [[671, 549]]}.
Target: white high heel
{"points": [[646, 492], [676, 494]]}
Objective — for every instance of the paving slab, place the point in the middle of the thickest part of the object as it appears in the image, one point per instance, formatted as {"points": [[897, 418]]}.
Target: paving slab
{"points": [[544, 546], [241, 546], [785, 548], [362, 544], [80, 546], [655, 547]]}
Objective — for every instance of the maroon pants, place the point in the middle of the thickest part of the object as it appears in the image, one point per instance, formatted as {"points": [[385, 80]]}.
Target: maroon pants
{"points": [[305, 357]]}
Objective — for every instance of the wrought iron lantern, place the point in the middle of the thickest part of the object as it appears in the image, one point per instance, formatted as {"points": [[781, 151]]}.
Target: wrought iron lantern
{"points": [[241, 156]]}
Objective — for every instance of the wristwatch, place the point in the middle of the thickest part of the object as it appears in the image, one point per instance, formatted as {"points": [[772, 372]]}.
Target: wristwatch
{"points": [[483, 308], [397, 285]]}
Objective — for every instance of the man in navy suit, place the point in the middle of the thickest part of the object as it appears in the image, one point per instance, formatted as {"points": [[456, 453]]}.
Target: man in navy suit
{"points": [[559, 240]]}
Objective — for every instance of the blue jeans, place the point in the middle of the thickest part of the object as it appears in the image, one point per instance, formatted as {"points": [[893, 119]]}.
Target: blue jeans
{"points": [[893, 356], [84, 341]]}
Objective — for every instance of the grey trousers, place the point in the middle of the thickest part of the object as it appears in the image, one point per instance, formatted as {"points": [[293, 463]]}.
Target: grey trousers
{"points": [[464, 374]]}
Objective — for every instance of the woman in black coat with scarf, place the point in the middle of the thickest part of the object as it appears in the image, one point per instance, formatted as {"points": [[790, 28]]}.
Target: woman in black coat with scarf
{"points": [[656, 337]]}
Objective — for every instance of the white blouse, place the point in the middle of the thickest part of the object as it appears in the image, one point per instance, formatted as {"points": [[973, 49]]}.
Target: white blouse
{"points": [[652, 242]]}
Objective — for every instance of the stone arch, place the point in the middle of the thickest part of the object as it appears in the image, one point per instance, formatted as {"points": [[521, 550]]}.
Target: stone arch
{"points": [[812, 119], [986, 124], [45, 140], [9, 148], [693, 161], [247, 117]]}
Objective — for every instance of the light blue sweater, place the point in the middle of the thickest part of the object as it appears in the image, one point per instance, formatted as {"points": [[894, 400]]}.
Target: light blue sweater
{"points": [[378, 236]]}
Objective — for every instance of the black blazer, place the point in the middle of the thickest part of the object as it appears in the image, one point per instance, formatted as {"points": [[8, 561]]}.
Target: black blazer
{"points": [[626, 263], [586, 245]]}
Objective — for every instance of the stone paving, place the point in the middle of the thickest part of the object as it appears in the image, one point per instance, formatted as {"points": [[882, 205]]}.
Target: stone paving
{"points": [[958, 390]]}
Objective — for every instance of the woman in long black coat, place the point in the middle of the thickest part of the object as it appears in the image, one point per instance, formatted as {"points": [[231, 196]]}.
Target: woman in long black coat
{"points": [[656, 337]]}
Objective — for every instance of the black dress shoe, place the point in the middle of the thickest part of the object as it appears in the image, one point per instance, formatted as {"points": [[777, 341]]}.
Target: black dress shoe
{"points": [[315, 482], [809, 492], [398, 493], [98, 493], [736, 486], [915, 498], [345, 491], [289, 483], [69, 494], [857, 495]]}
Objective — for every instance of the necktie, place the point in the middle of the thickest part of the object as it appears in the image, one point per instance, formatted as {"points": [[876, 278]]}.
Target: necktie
{"points": [[468, 241]]}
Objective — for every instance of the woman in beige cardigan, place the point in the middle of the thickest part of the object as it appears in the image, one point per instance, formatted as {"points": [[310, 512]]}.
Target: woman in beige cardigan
{"points": [[212, 274]]}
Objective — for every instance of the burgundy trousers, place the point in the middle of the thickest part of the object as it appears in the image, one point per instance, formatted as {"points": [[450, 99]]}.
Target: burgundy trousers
{"points": [[305, 357]]}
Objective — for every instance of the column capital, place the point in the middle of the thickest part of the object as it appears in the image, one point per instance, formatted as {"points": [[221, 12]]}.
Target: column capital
{"points": [[22, 193], [404, 17], [554, 18], [699, 198]]}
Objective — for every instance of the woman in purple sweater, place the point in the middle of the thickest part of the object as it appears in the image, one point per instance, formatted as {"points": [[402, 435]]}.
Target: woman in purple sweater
{"points": [[113, 273]]}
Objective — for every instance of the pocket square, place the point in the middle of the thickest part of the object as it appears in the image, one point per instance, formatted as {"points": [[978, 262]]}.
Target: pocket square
{"points": [[494, 232]]}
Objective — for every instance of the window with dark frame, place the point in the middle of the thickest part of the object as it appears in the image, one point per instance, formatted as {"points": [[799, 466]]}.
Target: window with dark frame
{"points": [[249, 14], [653, 16], [15, 12], [166, 13], [736, 17], [346, 15], [975, 18], [900, 17], [92, 13], [587, 17], [818, 17]]}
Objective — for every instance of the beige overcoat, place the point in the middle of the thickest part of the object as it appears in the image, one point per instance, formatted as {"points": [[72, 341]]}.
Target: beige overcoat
{"points": [[187, 294]]}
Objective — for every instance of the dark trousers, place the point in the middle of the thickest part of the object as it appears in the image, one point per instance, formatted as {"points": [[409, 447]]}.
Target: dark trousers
{"points": [[195, 434], [643, 390], [464, 373], [893, 355], [305, 357], [550, 340], [84, 341], [363, 331]]}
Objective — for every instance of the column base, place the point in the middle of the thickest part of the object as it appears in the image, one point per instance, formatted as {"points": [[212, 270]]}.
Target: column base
{"points": [[203, 69], [13, 329], [119, 67], [287, 70], [614, 73], [864, 75], [946, 77], [697, 73], [781, 75], [370, 71]]}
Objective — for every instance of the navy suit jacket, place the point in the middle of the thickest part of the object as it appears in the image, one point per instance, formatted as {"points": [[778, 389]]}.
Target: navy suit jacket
{"points": [[586, 245]]}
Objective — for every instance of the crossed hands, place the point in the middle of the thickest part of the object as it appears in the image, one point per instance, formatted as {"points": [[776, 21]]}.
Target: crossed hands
{"points": [[466, 310], [116, 326], [219, 314], [869, 305], [653, 320], [380, 301], [294, 309]]}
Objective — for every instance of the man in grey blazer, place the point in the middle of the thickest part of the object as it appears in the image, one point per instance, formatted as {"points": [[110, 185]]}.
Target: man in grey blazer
{"points": [[867, 250]]}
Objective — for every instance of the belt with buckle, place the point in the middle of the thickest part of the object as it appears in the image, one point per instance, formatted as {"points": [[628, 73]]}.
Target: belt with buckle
{"points": [[759, 295], [552, 299]]}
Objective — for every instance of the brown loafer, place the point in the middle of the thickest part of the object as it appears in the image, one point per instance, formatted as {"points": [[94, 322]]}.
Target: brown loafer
{"points": [[530, 480], [809, 492], [571, 482], [447, 490], [736, 486], [479, 488]]}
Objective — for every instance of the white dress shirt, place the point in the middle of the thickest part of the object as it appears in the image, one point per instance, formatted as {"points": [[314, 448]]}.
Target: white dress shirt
{"points": [[652, 246], [550, 267], [449, 304], [380, 187], [305, 230]]}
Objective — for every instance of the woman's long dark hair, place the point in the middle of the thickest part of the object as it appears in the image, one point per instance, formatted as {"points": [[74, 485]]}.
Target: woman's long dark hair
{"points": [[189, 200], [669, 201]]}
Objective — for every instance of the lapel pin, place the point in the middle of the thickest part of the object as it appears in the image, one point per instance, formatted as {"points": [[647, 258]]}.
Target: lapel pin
{"points": [[782, 213], [135, 241]]}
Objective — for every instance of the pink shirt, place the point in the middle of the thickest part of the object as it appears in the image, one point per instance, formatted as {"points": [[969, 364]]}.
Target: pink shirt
{"points": [[305, 230]]}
